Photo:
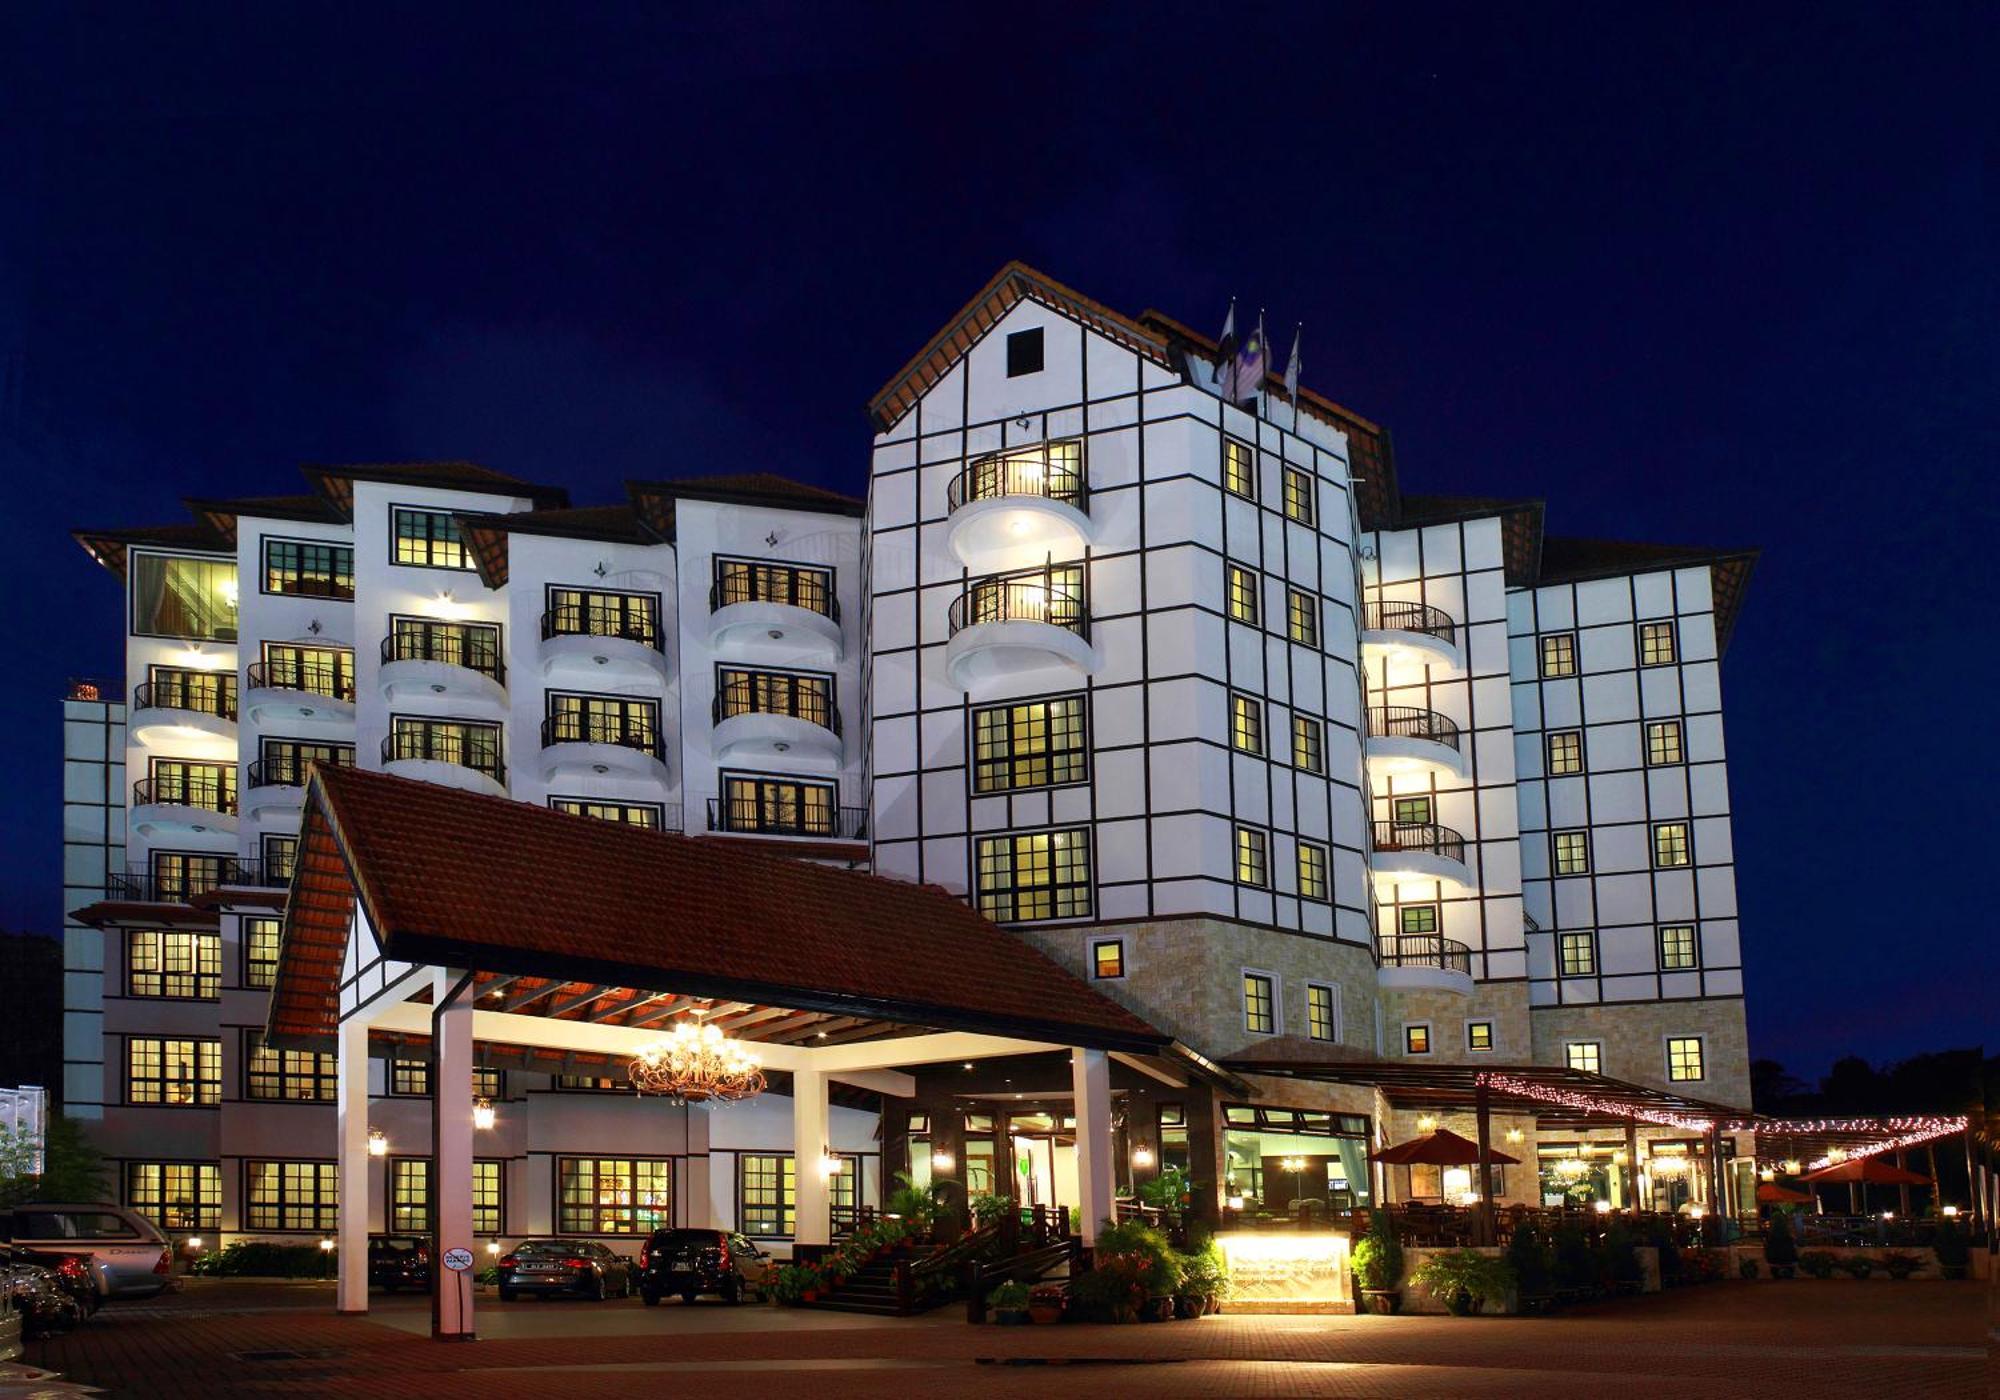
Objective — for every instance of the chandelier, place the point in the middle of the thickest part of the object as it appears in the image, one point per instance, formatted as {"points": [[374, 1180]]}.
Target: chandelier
{"points": [[697, 1064]]}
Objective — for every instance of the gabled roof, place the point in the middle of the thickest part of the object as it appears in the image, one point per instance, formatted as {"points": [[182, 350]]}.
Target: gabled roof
{"points": [[466, 880], [222, 515], [108, 547], [337, 482], [487, 534], [654, 500]]}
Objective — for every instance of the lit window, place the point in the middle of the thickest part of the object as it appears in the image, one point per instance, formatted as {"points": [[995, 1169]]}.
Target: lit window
{"points": [[409, 1078], [1677, 947], [183, 782], [325, 671], [1663, 743], [1299, 495], [635, 617], [1414, 920], [1479, 1035], [1242, 593], [1656, 644], [281, 856], [488, 1083], [173, 963], [295, 1076], [1585, 1055], [176, 1196], [1670, 845], [773, 806], [1035, 875], [1239, 469], [409, 1195], [177, 1072], [460, 742], [1024, 352], [1416, 1039], [613, 1195], [292, 1196], [590, 1084], [1260, 1004], [1252, 863], [472, 645], [643, 814], [1029, 744], [1558, 655], [429, 539], [260, 952], [1107, 959], [1246, 723], [743, 690], [767, 1187], [1412, 811], [1322, 1011], [1579, 954], [488, 1198], [1565, 752], [1684, 1058], [194, 598], [1302, 617], [602, 719], [1308, 746], [1572, 852], [1312, 870], [309, 569]]}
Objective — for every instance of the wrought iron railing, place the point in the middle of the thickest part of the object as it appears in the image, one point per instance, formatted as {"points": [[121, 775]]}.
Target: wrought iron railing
{"points": [[1402, 836], [800, 703], [207, 792], [1033, 471], [1399, 616], [586, 728], [796, 588], [766, 818], [1410, 722], [449, 643], [171, 885], [1426, 950], [285, 768], [331, 679], [444, 746], [1053, 595], [587, 620], [203, 692]]}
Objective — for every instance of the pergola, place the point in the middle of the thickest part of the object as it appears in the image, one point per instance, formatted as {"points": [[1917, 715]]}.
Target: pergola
{"points": [[420, 913], [1817, 1143]]}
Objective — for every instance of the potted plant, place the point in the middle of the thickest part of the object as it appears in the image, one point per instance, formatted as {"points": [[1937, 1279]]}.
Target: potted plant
{"points": [[1110, 1292], [1465, 1280], [1575, 1261], [1009, 1303], [1954, 1254], [989, 1209], [1151, 1263], [1378, 1263], [1818, 1262], [1858, 1265], [1528, 1252], [1781, 1252], [1204, 1279], [1621, 1260], [1046, 1302], [1898, 1264]]}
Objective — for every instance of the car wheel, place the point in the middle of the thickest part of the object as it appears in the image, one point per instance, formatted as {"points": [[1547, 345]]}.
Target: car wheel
{"points": [[649, 1297], [689, 1297], [507, 1295]]}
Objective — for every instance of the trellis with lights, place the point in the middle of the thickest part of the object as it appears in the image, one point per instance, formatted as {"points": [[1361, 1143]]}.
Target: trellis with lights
{"points": [[1502, 1083], [1908, 1130]]}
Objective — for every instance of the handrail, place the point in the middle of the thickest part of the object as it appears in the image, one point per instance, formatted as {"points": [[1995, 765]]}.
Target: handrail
{"points": [[283, 769], [740, 588], [748, 816], [145, 886], [448, 643], [1418, 836], [1412, 722], [800, 703], [1426, 950], [312, 677], [581, 620], [583, 727], [1398, 615], [1040, 595], [186, 691], [208, 794], [428, 743], [1020, 471]]}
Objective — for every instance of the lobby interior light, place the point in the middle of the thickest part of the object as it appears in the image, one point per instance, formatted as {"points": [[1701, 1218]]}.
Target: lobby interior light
{"points": [[483, 1115], [1669, 1166], [1602, 1207], [378, 1143]]}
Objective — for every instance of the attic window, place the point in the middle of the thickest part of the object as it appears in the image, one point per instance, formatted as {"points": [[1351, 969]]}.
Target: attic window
{"points": [[1024, 353]]}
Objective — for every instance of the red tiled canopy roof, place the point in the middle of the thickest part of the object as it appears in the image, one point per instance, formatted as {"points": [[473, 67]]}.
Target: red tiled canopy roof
{"points": [[465, 880]]}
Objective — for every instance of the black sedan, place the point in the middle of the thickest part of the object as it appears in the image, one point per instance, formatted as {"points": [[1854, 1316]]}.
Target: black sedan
{"points": [[564, 1268]]}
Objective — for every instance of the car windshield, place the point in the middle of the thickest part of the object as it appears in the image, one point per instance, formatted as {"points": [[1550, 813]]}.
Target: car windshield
{"points": [[544, 1247], [686, 1239]]}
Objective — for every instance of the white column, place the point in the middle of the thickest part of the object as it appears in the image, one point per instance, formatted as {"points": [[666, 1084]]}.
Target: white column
{"points": [[352, 1165], [1096, 1173], [451, 1171], [809, 1143], [696, 1195]]}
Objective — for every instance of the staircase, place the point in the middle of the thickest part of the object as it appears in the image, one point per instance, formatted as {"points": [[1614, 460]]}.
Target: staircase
{"points": [[872, 1290]]}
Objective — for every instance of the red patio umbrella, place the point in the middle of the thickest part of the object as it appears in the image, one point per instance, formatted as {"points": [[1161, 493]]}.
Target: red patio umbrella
{"points": [[1873, 1171], [1441, 1148], [1769, 1193]]}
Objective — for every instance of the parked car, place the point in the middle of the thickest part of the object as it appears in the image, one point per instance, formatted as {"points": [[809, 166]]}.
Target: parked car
{"points": [[397, 1262], [579, 1268], [43, 1306], [694, 1262], [128, 1255], [72, 1273]]}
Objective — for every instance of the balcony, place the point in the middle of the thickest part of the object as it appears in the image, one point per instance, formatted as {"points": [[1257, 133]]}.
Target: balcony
{"points": [[760, 722], [447, 757], [1010, 509], [189, 877], [1423, 962], [1413, 633], [1405, 741], [593, 646], [452, 661], [1020, 626], [582, 745], [751, 818], [185, 706], [1406, 853], [184, 804], [294, 693], [774, 613], [275, 783]]}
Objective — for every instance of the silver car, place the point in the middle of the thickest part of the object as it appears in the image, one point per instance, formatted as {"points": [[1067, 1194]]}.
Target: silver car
{"points": [[129, 1257]]}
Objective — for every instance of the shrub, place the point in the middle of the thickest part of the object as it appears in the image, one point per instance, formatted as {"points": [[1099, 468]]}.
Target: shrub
{"points": [[1660, 1235], [1378, 1259], [1954, 1252], [1818, 1263], [989, 1209], [1746, 1267], [259, 1259], [1011, 1296], [1455, 1274], [1900, 1265], [1858, 1265], [1575, 1262], [1529, 1254], [1112, 1291], [1158, 1267], [791, 1282], [1204, 1272], [1779, 1247], [1621, 1256]]}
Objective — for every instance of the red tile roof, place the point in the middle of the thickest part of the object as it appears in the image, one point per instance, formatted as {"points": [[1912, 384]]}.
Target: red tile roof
{"points": [[337, 481], [488, 534], [466, 880], [655, 499], [108, 547]]}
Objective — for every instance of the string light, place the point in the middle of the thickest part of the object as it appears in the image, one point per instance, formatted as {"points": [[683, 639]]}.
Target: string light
{"points": [[1590, 1103], [1940, 1127]]}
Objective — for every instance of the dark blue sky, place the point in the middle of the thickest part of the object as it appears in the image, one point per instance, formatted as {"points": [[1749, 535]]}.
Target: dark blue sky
{"points": [[1690, 275]]}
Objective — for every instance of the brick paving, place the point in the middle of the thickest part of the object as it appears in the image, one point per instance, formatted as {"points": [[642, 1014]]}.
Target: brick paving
{"points": [[1801, 1338]]}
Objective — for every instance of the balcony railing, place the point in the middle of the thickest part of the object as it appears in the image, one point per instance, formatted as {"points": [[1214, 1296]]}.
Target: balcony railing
{"points": [[1397, 616], [171, 886], [795, 588], [1410, 722], [444, 746], [1435, 840], [602, 729], [208, 794], [204, 692], [583, 620], [289, 769], [313, 677], [1426, 950], [1053, 595], [1025, 472], [756, 700], [763, 818], [449, 643], [260, 874]]}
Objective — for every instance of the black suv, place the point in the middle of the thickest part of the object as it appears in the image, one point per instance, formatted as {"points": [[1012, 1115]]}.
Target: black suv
{"points": [[694, 1262], [399, 1261]]}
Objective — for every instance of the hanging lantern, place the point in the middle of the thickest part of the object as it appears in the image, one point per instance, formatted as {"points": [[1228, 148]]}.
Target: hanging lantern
{"points": [[697, 1064], [482, 1114], [378, 1143]]}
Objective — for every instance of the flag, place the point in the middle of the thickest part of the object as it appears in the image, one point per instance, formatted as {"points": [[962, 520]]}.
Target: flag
{"points": [[1226, 352], [1292, 375], [1245, 375]]}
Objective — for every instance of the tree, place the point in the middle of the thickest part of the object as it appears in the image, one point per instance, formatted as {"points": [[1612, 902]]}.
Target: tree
{"points": [[72, 1169]]}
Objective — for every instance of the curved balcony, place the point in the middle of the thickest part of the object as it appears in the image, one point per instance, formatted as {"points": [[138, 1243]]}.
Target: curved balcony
{"points": [[1423, 962], [1020, 625], [763, 819], [770, 621], [276, 782], [444, 661], [183, 806], [593, 647], [586, 746], [1411, 632], [446, 759], [1009, 509], [1407, 741], [189, 705], [756, 723], [292, 693], [1408, 853]]}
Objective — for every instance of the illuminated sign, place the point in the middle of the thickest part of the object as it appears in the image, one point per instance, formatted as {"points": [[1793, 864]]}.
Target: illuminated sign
{"points": [[1286, 1272]]}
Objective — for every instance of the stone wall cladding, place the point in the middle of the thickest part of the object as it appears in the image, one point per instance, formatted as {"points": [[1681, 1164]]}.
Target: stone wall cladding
{"points": [[1634, 1036]]}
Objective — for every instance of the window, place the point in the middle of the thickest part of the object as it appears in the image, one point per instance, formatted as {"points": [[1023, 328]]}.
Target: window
{"points": [[1035, 875], [1479, 1035], [1246, 723], [309, 568], [1558, 655], [1299, 495], [325, 671], [292, 1196], [409, 1078], [489, 1198], [1678, 950], [1657, 645], [1053, 594], [182, 782], [281, 856], [177, 688], [288, 1076], [1565, 752], [283, 762], [178, 875], [1024, 352], [1302, 617], [1051, 469], [739, 691], [1670, 845], [1417, 1038], [1253, 865], [613, 1195], [1663, 743], [746, 581], [1322, 1011], [193, 598], [603, 719], [1239, 468], [1312, 870], [176, 1196], [1308, 744], [173, 963], [488, 1083], [1242, 593], [588, 1083], [1572, 852], [1586, 1055], [1029, 744], [469, 745], [1107, 958], [776, 807], [409, 1195], [178, 1073], [765, 1192], [647, 814], [1412, 811], [429, 539], [1260, 1004], [260, 953], [474, 646], [1578, 953], [592, 612], [1683, 1058]]}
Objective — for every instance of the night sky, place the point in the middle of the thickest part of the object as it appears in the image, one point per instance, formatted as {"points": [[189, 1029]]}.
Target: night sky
{"points": [[1695, 276]]}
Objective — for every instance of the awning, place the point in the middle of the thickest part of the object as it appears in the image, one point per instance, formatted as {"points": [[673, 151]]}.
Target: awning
{"points": [[1440, 1148]]}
